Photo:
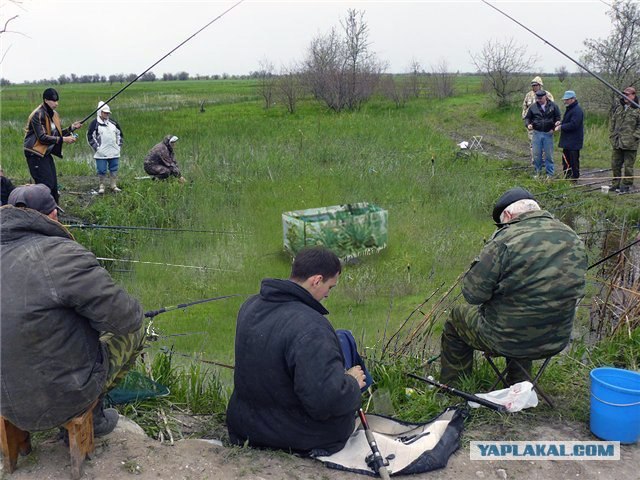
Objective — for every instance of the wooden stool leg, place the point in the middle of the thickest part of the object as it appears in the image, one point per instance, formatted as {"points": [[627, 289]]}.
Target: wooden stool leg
{"points": [[13, 441], [80, 440]]}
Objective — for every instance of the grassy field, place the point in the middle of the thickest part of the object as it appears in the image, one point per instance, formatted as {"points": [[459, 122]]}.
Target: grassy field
{"points": [[245, 166]]}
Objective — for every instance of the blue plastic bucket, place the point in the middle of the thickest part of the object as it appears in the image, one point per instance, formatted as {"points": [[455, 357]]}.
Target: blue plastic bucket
{"points": [[615, 404]]}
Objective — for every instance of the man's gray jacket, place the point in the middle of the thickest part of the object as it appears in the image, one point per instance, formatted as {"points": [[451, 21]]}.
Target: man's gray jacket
{"points": [[55, 301]]}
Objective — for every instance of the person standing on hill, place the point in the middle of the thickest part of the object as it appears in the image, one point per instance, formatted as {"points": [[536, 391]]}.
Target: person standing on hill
{"points": [[292, 388], [44, 137], [105, 137], [542, 118], [521, 291], [530, 99], [624, 133], [571, 135], [161, 162]]}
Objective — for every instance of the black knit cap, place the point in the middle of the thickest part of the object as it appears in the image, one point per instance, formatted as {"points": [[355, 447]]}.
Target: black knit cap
{"points": [[507, 198], [50, 94]]}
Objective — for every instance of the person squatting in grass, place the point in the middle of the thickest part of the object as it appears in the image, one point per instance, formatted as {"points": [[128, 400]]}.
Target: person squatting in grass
{"points": [[571, 135], [624, 133], [44, 138], [292, 389], [68, 332], [521, 291], [161, 162], [105, 138]]}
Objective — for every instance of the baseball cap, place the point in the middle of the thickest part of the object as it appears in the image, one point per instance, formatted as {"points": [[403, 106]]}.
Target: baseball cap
{"points": [[569, 94], [173, 139], [103, 107], [509, 197], [630, 90], [37, 197]]}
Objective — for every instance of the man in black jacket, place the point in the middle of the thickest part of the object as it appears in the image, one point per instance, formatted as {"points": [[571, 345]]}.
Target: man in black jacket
{"points": [[44, 137], [291, 388], [542, 118], [571, 136]]}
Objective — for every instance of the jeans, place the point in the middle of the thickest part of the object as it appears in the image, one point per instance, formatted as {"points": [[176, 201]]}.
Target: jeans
{"points": [[101, 165], [543, 142]]}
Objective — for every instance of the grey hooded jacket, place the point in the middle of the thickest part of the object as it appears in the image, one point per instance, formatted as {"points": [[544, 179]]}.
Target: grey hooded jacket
{"points": [[55, 301]]}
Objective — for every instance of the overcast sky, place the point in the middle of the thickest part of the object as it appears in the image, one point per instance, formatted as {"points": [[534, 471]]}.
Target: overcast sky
{"points": [[116, 36]]}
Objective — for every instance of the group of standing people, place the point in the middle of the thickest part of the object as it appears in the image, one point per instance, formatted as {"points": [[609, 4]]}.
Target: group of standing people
{"points": [[45, 137], [542, 119]]}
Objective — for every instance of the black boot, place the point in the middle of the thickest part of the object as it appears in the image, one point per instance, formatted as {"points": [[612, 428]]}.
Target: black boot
{"points": [[104, 419]]}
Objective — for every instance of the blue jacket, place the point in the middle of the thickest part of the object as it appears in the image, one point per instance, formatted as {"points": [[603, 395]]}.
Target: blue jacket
{"points": [[572, 129]]}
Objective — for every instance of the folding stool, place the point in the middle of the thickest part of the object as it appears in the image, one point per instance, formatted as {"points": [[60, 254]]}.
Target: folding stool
{"points": [[502, 375]]}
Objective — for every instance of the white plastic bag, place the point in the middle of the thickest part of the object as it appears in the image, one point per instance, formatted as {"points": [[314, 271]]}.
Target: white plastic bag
{"points": [[515, 398]]}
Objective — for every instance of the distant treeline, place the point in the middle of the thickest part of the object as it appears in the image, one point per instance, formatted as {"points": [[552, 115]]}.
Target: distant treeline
{"points": [[127, 77]]}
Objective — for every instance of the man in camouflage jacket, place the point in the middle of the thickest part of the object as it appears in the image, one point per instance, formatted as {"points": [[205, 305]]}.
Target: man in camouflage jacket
{"points": [[521, 291], [624, 133]]}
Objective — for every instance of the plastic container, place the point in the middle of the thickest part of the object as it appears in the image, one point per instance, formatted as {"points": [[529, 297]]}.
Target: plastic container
{"points": [[615, 404]]}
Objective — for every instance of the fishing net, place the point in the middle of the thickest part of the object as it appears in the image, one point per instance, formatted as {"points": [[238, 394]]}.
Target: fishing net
{"points": [[134, 388]]}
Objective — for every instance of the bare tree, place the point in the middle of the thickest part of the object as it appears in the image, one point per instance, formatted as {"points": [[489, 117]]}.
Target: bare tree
{"points": [[617, 57], [289, 87], [266, 82], [416, 75], [441, 80], [562, 73], [503, 65], [340, 70], [4, 29], [398, 90]]}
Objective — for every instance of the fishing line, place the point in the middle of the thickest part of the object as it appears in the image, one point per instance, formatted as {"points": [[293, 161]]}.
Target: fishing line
{"points": [[163, 264], [161, 59], [153, 229], [595, 75]]}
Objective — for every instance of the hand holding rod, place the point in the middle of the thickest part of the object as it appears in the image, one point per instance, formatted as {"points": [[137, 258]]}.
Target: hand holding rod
{"points": [[378, 459], [467, 396]]}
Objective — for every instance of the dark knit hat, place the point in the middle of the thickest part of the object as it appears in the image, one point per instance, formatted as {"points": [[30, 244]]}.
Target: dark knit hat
{"points": [[37, 197], [541, 93], [50, 94], [507, 198]]}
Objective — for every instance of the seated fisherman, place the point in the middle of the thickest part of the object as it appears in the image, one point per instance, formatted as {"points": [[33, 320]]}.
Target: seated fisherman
{"points": [[291, 388], [161, 162], [56, 302], [521, 291]]}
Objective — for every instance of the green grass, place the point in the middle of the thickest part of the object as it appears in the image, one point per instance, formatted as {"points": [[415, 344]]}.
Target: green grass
{"points": [[246, 165]]}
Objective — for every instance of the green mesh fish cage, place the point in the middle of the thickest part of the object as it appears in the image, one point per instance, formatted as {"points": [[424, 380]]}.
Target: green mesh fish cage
{"points": [[351, 230]]}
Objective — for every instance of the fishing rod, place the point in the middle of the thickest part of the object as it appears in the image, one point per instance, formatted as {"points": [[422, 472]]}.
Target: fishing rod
{"points": [[614, 254], [153, 313], [84, 226], [595, 75], [379, 462], [106, 259], [161, 59], [166, 350], [467, 396]]}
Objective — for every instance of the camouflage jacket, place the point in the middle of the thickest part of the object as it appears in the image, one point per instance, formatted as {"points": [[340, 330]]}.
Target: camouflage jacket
{"points": [[624, 130], [526, 283], [530, 99]]}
